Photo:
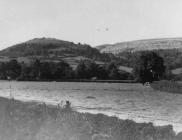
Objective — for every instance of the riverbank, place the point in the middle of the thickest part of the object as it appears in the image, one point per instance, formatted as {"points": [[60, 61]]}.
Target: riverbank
{"points": [[84, 80], [38, 121]]}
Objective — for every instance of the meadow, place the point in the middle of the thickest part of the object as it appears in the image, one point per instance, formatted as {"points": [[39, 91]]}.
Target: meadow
{"points": [[38, 121], [168, 86], [124, 100]]}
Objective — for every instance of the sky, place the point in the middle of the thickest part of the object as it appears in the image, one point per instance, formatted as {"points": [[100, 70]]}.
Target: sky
{"points": [[93, 22]]}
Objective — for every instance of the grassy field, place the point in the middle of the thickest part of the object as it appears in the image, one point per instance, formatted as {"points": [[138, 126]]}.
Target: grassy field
{"points": [[168, 86], [36, 121], [122, 100], [127, 101]]}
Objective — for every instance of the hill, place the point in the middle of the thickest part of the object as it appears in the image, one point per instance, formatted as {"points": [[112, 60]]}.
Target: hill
{"points": [[141, 45], [168, 48], [51, 49]]}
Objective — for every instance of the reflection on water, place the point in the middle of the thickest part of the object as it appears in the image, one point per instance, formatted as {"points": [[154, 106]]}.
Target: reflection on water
{"points": [[127, 101]]}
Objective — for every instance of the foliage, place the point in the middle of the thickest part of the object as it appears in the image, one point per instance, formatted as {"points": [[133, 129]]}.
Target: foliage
{"points": [[112, 70], [81, 70], [89, 69], [149, 67], [10, 69], [62, 70], [35, 69], [172, 57], [44, 70]]}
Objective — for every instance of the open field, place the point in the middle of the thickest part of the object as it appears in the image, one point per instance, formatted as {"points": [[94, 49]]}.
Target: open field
{"points": [[167, 86], [126, 101], [36, 121]]}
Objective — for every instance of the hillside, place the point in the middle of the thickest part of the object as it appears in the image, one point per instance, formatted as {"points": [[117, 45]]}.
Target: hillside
{"points": [[53, 49], [168, 48], [50, 49], [141, 45]]}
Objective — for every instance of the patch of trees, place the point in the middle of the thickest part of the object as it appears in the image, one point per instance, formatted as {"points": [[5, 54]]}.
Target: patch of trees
{"points": [[10, 69], [109, 71], [149, 67], [43, 70], [172, 57], [46, 71]]}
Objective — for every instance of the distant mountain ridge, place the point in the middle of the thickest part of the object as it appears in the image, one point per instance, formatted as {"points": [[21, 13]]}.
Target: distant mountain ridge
{"points": [[141, 45]]}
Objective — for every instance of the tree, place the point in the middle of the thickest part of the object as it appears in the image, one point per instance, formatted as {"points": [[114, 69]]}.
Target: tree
{"points": [[25, 72], [149, 67], [13, 69], [114, 74], [102, 73], [112, 71], [61, 70], [35, 69], [91, 69], [88, 69], [45, 71], [81, 70]]}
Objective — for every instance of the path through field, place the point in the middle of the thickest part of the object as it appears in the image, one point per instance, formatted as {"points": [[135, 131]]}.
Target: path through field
{"points": [[127, 101]]}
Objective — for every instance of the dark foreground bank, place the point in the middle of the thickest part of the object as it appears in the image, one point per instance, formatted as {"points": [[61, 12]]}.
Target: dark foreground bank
{"points": [[38, 121]]}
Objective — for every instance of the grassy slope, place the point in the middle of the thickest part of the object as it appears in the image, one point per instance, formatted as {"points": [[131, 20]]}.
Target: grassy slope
{"points": [[168, 48], [138, 45], [52, 49], [33, 121]]}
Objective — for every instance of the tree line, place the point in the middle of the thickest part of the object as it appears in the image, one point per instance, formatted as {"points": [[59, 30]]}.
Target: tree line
{"points": [[172, 57], [50, 71], [148, 67]]}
